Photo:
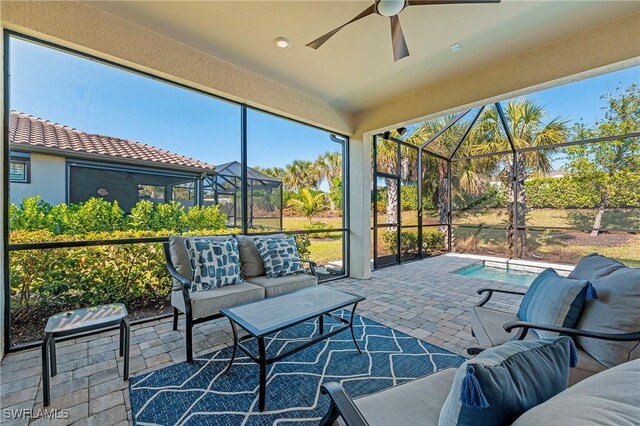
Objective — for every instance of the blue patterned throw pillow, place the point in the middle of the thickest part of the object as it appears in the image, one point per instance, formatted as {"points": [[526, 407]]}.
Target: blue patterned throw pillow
{"points": [[500, 384], [555, 300], [280, 256], [214, 263]]}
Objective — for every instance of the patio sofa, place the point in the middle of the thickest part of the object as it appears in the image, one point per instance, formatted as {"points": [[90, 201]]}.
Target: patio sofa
{"points": [[608, 328], [205, 305], [607, 398]]}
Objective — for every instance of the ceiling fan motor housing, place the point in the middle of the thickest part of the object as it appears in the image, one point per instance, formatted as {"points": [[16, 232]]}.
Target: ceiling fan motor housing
{"points": [[390, 8]]}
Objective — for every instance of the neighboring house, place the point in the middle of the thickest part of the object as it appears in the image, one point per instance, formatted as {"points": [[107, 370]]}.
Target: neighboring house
{"points": [[65, 165]]}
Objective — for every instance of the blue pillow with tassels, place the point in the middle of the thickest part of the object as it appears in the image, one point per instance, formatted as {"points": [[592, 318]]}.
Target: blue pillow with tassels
{"points": [[555, 300], [500, 384]]}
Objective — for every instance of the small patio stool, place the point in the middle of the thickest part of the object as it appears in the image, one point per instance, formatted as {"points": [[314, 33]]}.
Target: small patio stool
{"points": [[80, 321]]}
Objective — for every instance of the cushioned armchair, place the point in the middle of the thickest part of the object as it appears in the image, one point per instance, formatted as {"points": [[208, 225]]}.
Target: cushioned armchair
{"points": [[610, 397], [202, 306], [608, 329]]}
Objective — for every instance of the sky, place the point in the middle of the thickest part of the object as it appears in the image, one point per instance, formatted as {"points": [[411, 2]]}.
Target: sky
{"points": [[98, 98]]}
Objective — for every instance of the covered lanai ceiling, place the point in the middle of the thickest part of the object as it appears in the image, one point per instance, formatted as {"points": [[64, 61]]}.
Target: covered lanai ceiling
{"points": [[355, 70]]}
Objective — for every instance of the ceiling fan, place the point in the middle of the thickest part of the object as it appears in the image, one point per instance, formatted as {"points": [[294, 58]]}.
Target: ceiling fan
{"points": [[391, 9]]}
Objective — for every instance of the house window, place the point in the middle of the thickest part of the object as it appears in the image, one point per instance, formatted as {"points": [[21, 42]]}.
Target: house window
{"points": [[184, 191], [154, 193], [19, 168]]}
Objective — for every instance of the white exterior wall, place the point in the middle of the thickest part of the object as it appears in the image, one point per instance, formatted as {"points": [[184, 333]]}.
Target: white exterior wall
{"points": [[48, 179]]}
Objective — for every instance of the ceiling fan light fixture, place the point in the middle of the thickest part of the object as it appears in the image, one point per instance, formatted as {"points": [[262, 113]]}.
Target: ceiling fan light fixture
{"points": [[390, 8], [282, 42]]}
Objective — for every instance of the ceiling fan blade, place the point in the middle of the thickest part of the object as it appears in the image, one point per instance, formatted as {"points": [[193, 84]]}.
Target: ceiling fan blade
{"points": [[321, 40], [431, 2], [400, 49]]}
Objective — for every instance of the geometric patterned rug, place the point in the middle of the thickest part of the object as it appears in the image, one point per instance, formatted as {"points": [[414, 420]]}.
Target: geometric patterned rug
{"points": [[199, 394]]}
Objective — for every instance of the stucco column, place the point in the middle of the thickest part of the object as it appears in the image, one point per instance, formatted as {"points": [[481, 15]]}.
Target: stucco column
{"points": [[360, 206]]}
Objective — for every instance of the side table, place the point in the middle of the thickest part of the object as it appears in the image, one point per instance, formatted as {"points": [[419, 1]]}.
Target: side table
{"points": [[80, 321]]}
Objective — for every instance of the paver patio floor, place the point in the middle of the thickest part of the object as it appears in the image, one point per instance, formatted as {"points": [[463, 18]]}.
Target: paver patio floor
{"points": [[423, 298]]}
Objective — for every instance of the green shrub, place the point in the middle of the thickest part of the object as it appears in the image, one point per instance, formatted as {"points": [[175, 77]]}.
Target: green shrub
{"points": [[578, 192], [205, 217], [317, 226], [96, 215], [408, 197], [432, 241], [303, 243], [81, 276]]}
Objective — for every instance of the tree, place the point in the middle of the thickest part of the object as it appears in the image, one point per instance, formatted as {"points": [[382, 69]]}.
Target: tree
{"points": [[329, 167], [528, 128], [599, 162], [308, 203], [300, 174], [274, 172]]}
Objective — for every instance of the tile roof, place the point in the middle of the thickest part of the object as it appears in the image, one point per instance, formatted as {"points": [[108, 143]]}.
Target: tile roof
{"points": [[38, 134]]}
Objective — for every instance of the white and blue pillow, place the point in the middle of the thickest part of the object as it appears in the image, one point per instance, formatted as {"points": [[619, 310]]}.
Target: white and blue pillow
{"points": [[214, 263], [555, 300], [500, 384], [280, 256]]}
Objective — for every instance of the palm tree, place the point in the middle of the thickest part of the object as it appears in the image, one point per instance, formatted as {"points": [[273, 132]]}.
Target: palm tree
{"points": [[526, 124], [434, 174], [329, 166], [300, 174], [307, 203]]}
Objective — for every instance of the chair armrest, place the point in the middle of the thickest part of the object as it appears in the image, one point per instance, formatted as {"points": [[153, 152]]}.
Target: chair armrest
{"points": [[341, 406], [312, 266], [619, 337], [490, 292]]}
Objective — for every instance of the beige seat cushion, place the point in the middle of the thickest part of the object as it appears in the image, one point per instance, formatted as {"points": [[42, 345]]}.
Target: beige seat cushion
{"points": [[409, 404], [487, 325], [209, 302], [282, 285], [608, 398], [587, 367]]}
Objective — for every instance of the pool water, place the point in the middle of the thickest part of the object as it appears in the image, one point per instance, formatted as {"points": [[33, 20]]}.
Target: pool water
{"points": [[505, 275]]}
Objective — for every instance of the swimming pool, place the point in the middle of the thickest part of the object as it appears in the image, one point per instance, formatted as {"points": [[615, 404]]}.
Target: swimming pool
{"points": [[505, 274]]}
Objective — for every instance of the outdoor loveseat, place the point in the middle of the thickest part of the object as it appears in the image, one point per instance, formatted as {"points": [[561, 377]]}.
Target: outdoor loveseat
{"points": [[205, 305], [610, 397], [608, 329]]}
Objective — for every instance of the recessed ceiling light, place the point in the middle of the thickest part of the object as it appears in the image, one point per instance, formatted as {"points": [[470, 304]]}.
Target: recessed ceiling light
{"points": [[456, 47], [282, 42]]}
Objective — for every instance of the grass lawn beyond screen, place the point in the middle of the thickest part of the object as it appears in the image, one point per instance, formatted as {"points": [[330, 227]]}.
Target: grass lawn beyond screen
{"points": [[554, 246]]}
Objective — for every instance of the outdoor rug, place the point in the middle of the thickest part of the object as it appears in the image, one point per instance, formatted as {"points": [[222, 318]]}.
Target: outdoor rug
{"points": [[199, 394]]}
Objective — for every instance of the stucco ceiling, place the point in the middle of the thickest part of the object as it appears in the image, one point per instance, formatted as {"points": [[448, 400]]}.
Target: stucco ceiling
{"points": [[355, 71]]}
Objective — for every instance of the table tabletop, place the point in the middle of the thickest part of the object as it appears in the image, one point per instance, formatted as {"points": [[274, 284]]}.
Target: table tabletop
{"points": [[277, 313], [86, 318]]}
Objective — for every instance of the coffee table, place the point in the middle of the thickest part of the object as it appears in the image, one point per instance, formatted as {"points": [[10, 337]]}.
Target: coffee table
{"points": [[274, 314]]}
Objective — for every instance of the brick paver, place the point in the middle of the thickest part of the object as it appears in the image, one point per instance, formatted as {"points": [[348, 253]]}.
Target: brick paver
{"points": [[424, 299]]}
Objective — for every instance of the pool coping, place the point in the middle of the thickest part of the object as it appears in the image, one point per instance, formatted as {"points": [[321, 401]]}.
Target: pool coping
{"points": [[521, 264]]}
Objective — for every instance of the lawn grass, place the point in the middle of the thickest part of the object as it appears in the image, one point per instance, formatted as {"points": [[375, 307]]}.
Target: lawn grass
{"points": [[554, 246]]}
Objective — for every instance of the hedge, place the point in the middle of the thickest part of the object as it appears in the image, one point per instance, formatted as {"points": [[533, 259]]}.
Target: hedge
{"points": [[83, 276], [573, 191], [432, 241]]}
